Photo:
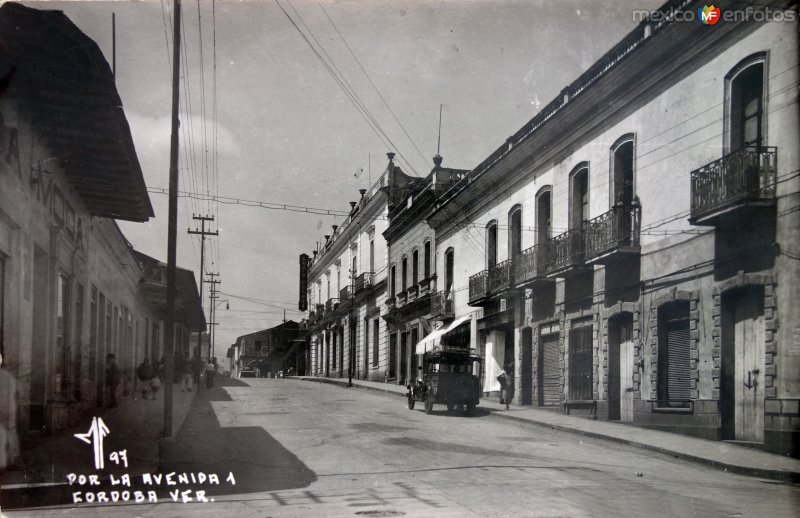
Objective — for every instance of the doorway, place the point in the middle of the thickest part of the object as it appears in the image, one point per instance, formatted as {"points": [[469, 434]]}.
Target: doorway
{"points": [[403, 373], [526, 367], [620, 368], [741, 383], [549, 371]]}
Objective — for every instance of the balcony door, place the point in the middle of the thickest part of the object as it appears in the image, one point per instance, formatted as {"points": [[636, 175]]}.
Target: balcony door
{"points": [[746, 107], [580, 198], [622, 163]]}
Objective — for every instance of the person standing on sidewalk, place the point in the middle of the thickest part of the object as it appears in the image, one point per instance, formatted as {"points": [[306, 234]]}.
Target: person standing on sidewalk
{"points": [[112, 380], [211, 371], [197, 368], [508, 385], [186, 374], [144, 372]]}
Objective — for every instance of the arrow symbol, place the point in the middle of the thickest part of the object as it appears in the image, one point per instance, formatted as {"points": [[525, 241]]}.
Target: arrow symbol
{"points": [[97, 431]]}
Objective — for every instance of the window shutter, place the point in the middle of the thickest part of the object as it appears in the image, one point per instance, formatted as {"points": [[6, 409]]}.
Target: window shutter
{"points": [[678, 371], [551, 371]]}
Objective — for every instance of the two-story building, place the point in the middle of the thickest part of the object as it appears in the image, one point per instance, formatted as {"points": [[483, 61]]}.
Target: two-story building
{"points": [[632, 246], [414, 305], [346, 291]]}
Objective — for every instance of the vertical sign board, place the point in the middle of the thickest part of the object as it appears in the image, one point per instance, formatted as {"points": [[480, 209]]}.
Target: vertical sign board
{"points": [[303, 304]]}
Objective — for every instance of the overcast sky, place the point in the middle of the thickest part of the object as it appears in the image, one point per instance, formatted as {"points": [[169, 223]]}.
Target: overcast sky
{"points": [[287, 133]]}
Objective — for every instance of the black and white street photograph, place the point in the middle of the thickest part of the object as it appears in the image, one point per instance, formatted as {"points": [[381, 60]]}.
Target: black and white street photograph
{"points": [[399, 258]]}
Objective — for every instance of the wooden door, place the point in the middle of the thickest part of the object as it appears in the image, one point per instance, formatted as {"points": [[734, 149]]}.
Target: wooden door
{"points": [[626, 381], [748, 335]]}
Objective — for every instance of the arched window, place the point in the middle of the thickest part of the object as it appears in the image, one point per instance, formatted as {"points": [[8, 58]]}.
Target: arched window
{"points": [[404, 274], [491, 244], [543, 215], [622, 160], [427, 264], [744, 95], [515, 231], [415, 267], [449, 265], [579, 196]]}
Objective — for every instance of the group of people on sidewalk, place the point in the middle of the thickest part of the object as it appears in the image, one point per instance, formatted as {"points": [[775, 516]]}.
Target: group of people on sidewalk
{"points": [[151, 376], [188, 372]]}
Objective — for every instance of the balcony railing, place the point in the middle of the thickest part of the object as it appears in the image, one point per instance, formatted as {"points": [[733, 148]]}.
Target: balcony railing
{"points": [[616, 229], [320, 310], [331, 305], [390, 303], [530, 264], [442, 305], [412, 292], [401, 298], [742, 176], [344, 294], [362, 282], [479, 286], [564, 251], [501, 277]]}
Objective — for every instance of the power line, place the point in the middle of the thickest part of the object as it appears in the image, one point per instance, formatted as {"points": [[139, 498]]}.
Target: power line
{"points": [[424, 160]]}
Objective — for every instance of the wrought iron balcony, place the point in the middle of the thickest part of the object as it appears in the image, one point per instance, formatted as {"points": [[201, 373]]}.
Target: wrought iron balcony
{"points": [[564, 253], [530, 264], [442, 305], [739, 179], [362, 282], [331, 305], [345, 294], [478, 287], [501, 277], [616, 231]]}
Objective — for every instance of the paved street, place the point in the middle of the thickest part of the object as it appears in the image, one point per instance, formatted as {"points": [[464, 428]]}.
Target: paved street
{"points": [[370, 456]]}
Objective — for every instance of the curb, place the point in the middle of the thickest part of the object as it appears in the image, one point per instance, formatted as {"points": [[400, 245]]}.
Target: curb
{"points": [[792, 477]]}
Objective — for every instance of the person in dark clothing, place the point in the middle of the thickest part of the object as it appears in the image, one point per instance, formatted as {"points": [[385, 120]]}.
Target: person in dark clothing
{"points": [[112, 380], [145, 373]]}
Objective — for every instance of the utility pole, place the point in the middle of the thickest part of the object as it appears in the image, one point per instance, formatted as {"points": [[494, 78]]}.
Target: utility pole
{"points": [[172, 234], [202, 233], [212, 296]]}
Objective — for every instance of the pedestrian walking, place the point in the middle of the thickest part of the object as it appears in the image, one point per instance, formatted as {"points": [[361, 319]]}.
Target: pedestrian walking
{"points": [[186, 374], [144, 372], [506, 379], [112, 380], [197, 368], [211, 372]]}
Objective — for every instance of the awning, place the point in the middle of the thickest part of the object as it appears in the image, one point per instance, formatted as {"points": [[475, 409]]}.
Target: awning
{"points": [[434, 338]]}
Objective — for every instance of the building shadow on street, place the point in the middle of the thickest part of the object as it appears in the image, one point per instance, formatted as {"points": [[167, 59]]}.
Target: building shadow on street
{"points": [[257, 461]]}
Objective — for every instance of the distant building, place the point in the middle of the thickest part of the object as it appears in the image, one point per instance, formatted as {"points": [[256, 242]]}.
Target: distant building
{"points": [[266, 349], [344, 332]]}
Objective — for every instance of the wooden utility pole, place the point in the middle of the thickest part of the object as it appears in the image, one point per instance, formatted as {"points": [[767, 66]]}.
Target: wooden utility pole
{"points": [[172, 234], [212, 297], [203, 233]]}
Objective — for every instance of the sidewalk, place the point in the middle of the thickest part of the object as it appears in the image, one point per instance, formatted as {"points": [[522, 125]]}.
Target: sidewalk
{"points": [[717, 454], [135, 425]]}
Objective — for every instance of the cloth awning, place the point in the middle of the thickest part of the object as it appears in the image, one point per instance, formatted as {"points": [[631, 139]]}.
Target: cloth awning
{"points": [[435, 337]]}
